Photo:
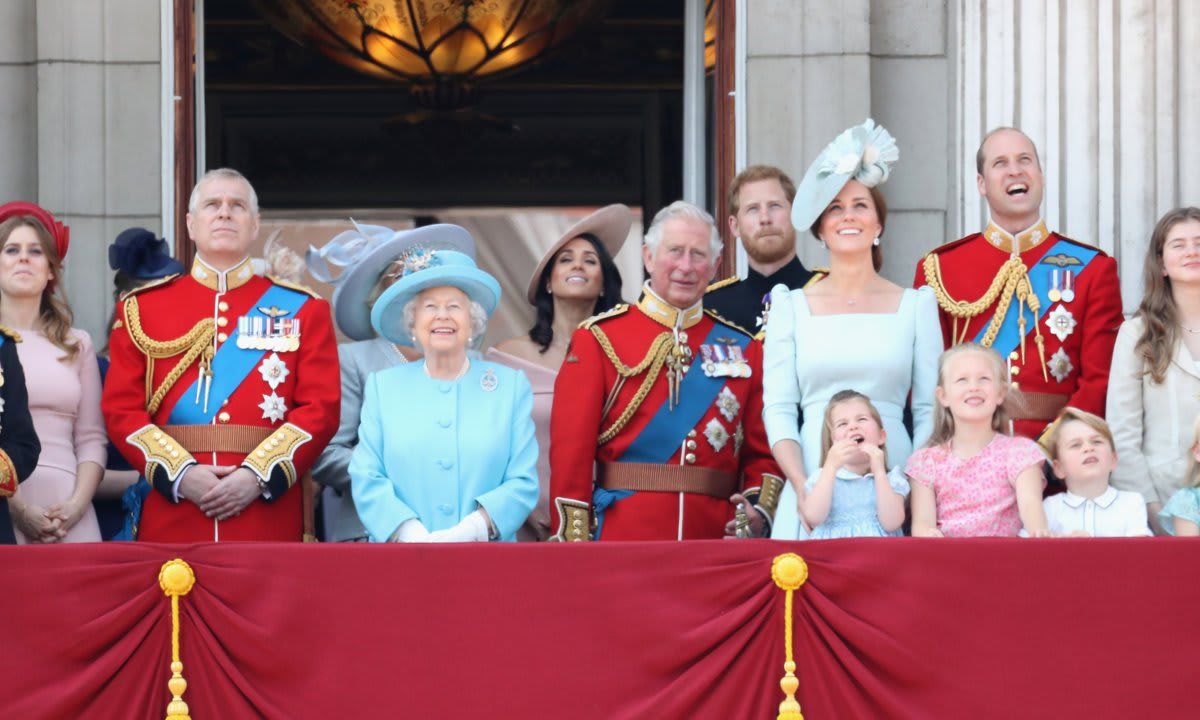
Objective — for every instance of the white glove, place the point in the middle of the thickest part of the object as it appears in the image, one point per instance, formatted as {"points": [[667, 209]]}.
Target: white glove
{"points": [[411, 530], [473, 528]]}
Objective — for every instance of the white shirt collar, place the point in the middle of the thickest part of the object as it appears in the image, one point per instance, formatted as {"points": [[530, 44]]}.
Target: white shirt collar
{"points": [[1104, 500]]}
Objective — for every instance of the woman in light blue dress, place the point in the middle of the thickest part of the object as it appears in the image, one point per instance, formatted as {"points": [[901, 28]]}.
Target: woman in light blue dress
{"points": [[446, 449], [852, 330]]}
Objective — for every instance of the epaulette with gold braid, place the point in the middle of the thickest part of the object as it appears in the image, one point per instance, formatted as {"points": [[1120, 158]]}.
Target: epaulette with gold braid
{"points": [[294, 286], [818, 274], [618, 309], [717, 316], [722, 283], [13, 334], [150, 285]]}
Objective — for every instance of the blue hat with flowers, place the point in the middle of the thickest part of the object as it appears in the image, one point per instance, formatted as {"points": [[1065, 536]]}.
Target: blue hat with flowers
{"points": [[864, 153], [364, 253], [139, 253], [425, 269]]}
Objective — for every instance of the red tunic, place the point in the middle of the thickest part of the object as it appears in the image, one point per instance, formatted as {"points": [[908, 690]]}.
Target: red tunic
{"points": [[968, 267], [577, 420], [310, 393]]}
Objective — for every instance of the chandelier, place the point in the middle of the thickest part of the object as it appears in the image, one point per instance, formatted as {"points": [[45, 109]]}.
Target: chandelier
{"points": [[440, 47]]}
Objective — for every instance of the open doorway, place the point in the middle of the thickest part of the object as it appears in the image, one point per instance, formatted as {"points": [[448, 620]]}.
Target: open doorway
{"points": [[597, 120]]}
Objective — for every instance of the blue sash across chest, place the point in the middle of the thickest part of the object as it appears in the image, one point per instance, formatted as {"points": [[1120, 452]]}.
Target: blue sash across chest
{"points": [[667, 430], [1009, 336], [232, 364]]}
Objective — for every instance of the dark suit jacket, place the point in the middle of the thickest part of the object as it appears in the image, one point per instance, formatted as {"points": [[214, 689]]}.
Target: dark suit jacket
{"points": [[18, 439]]}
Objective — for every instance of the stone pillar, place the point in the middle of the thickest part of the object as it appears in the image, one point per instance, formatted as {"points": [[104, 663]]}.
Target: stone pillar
{"points": [[97, 134], [1107, 90], [18, 114], [814, 68]]}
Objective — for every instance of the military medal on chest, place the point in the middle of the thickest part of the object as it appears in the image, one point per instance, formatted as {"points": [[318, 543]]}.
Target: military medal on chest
{"points": [[272, 330], [1062, 286], [761, 320], [274, 371], [724, 358], [1061, 322]]}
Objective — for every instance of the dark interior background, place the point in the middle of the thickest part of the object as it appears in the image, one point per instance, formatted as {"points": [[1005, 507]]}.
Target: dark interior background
{"points": [[598, 120]]}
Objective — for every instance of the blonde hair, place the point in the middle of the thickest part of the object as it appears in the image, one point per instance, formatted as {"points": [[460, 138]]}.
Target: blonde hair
{"points": [[1193, 473], [842, 397], [1070, 414], [943, 420], [54, 313]]}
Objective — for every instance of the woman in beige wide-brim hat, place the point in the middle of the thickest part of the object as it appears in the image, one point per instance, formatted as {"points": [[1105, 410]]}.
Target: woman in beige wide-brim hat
{"points": [[576, 278]]}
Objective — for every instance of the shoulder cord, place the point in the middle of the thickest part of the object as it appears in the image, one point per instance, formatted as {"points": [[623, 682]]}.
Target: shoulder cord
{"points": [[194, 343]]}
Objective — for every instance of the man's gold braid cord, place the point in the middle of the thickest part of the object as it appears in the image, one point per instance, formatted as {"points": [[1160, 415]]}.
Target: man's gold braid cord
{"points": [[660, 349], [195, 343], [1003, 286]]}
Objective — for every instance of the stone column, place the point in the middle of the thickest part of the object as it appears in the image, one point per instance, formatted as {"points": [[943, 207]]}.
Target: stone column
{"points": [[18, 114], [815, 68], [97, 134], [1107, 90]]}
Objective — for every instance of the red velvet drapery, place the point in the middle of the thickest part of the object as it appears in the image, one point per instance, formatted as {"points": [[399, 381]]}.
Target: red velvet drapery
{"points": [[889, 628]]}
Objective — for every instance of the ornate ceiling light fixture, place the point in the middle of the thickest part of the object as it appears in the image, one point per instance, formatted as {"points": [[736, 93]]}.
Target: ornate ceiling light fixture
{"points": [[442, 48]]}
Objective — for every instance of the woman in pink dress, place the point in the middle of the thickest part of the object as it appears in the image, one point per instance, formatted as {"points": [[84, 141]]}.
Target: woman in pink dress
{"points": [[55, 503], [575, 279]]}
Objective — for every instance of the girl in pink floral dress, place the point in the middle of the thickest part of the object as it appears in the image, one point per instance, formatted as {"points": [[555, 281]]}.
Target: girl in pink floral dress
{"points": [[972, 479]]}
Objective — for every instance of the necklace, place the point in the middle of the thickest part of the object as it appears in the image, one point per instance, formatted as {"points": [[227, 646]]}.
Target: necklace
{"points": [[1190, 330], [403, 359], [466, 366]]}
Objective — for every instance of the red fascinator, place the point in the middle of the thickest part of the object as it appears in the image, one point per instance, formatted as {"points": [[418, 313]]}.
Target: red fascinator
{"points": [[60, 232]]}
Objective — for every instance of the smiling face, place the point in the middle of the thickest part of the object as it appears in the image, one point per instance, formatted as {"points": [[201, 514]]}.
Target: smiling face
{"points": [[224, 223], [1011, 179], [854, 420], [763, 221], [25, 266], [850, 223], [1083, 454], [971, 386], [442, 320], [1181, 253], [683, 264], [575, 272]]}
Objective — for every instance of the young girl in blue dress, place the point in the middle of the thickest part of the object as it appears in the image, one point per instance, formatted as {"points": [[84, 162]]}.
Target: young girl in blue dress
{"points": [[854, 495], [1181, 514]]}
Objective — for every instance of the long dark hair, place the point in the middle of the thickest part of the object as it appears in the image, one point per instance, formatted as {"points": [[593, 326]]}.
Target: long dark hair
{"points": [[542, 331]]}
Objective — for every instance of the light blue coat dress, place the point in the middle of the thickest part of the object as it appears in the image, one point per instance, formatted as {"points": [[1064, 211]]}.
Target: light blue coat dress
{"points": [[436, 450], [808, 358]]}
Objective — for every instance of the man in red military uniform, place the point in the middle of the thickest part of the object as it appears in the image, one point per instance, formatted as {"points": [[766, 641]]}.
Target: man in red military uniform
{"points": [[657, 431], [1049, 304], [223, 385]]}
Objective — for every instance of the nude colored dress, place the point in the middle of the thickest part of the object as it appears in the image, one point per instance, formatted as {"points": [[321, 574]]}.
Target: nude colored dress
{"points": [[64, 400]]}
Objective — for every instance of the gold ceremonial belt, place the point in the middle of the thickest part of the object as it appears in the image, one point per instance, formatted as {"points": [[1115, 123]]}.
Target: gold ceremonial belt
{"points": [[1023, 405], [652, 477], [242, 439]]}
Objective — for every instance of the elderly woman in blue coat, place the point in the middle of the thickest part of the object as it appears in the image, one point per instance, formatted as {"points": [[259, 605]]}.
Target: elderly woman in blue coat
{"points": [[446, 449]]}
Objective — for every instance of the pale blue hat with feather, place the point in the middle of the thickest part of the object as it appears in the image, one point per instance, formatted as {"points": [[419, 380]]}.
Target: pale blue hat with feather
{"points": [[864, 153]]}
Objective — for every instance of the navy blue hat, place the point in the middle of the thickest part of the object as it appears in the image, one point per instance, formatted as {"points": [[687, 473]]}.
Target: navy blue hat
{"points": [[138, 252]]}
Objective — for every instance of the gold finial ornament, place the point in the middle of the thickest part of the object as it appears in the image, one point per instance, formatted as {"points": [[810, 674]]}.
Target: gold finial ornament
{"points": [[176, 580], [790, 572]]}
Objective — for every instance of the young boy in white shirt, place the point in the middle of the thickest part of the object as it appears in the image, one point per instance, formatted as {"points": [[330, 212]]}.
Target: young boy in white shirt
{"points": [[1082, 454]]}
